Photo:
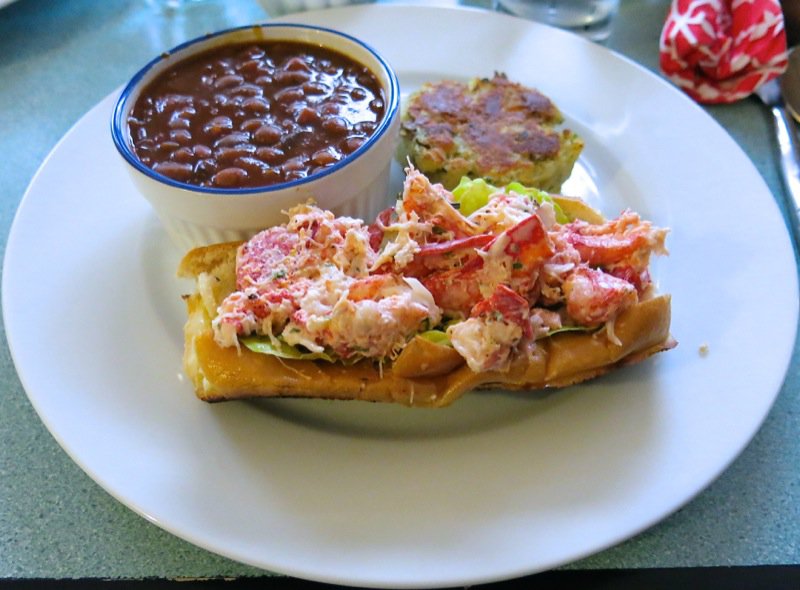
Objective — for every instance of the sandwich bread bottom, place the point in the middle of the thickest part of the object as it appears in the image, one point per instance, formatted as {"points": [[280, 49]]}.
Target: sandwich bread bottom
{"points": [[424, 375]]}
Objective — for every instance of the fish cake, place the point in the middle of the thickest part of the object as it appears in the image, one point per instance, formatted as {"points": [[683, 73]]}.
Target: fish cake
{"points": [[489, 128]]}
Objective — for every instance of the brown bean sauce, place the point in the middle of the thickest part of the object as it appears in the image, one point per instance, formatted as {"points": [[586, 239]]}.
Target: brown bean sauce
{"points": [[255, 115]]}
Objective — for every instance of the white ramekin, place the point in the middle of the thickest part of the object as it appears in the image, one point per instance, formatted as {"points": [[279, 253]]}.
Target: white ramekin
{"points": [[356, 186]]}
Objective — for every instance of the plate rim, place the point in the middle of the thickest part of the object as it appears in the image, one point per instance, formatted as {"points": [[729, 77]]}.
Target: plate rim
{"points": [[140, 510]]}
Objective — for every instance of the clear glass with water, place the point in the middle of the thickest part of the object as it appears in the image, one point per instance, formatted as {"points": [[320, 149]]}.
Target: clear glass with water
{"points": [[590, 18]]}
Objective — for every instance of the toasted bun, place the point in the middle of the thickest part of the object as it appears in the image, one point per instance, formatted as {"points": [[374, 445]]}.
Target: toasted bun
{"points": [[425, 374]]}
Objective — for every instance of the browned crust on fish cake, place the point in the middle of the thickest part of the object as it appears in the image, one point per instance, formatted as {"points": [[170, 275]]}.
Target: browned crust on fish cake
{"points": [[490, 128]]}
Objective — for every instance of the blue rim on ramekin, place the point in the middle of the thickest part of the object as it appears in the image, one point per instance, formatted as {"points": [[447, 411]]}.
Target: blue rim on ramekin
{"points": [[119, 124]]}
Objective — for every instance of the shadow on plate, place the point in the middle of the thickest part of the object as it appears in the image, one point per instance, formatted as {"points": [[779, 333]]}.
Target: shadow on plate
{"points": [[477, 412]]}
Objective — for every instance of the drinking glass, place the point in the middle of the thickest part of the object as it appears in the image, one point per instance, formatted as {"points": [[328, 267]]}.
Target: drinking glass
{"points": [[590, 18]]}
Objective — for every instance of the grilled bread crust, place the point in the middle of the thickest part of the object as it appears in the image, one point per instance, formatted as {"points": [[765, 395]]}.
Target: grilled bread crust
{"points": [[424, 375]]}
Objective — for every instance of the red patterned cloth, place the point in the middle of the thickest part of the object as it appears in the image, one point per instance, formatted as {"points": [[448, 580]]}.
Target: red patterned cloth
{"points": [[720, 51]]}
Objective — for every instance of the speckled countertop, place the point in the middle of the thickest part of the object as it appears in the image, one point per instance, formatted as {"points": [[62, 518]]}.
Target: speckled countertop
{"points": [[57, 60]]}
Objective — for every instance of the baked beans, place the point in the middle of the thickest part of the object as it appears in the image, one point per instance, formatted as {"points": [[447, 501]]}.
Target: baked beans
{"points": [[257, 114]]}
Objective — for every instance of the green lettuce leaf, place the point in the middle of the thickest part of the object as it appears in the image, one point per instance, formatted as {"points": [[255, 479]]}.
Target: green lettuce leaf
{"points": [[540, 197], [437, 337], [279, 348], [569, 329], [474, 194]]}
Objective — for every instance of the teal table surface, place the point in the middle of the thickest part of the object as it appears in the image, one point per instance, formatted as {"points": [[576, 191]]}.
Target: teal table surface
{"points": [[57, 60]]}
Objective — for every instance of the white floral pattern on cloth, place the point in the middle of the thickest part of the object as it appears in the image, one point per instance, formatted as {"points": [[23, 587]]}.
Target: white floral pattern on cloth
{"points": [[720, 51]]}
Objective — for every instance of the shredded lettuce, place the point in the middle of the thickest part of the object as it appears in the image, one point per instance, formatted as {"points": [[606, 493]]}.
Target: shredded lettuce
{"points": [[278, 348], [281, 349], [439, 335], [472, 194], [569, 329]]}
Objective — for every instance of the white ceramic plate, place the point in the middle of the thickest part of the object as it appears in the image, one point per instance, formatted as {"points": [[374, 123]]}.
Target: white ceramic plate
{"points": [[499, 485]]}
